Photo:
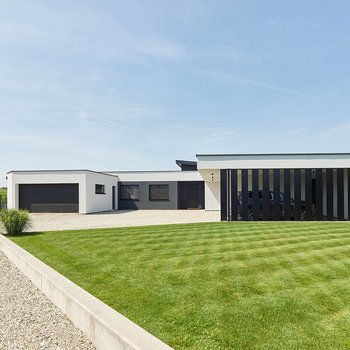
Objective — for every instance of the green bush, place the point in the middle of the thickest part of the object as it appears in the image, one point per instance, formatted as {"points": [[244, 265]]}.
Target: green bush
{"points": [[3, 198], [15, 221]]}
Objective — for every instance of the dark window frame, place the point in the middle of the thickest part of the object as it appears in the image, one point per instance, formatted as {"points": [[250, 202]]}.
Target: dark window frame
{"points": [[102, 191], [158, 199], [129, 199]]}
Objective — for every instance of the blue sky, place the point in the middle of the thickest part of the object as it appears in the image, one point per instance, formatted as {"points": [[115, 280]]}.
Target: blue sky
{"points": [[128, 85]]}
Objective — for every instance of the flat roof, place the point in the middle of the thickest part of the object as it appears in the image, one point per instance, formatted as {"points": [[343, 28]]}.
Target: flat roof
{"points": [[273, 154], [60, 171], [273, 160], [143, 171]]}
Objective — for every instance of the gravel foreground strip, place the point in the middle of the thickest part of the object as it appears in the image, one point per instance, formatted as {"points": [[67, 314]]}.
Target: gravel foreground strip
{"points": [[28, 320]]}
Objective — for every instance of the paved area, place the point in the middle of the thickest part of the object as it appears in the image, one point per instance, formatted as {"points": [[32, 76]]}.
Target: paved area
{"points": [[53, 222], [28, 320]]}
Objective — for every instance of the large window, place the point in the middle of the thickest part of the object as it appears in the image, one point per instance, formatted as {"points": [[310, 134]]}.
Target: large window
{"points": [[130, 192], [158, 192], [100, 189]]}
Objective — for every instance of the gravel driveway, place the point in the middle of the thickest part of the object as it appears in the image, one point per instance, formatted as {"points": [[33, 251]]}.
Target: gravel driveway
{"points": [[28, 320], [120, 218]]}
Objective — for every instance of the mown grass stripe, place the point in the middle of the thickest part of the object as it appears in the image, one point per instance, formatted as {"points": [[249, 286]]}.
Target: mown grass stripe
{"points": [[263, 285]]}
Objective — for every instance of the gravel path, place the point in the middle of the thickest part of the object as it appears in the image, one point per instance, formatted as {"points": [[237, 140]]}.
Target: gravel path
{"points": [[120, 218], [28, 320]]}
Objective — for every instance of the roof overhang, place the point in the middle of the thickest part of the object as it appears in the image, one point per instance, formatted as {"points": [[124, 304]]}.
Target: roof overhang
{"points": [[273, 161]]}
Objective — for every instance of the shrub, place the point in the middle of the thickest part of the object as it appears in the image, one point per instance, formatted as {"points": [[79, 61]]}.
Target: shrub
{"points": [[15, 221], [3, 198]]}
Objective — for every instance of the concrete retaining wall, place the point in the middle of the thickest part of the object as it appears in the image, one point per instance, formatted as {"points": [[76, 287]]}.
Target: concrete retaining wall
{"points": [[106, 328]]}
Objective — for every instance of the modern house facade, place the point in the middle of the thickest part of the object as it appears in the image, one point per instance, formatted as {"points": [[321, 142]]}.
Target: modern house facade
{"points": [[304, 186], [308, 186]]}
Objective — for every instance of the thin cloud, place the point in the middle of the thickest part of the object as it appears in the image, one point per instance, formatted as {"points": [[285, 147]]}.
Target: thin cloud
{"points": [[232, 54], [336, 133], [221, 136], [232, 78], [121, 126]]}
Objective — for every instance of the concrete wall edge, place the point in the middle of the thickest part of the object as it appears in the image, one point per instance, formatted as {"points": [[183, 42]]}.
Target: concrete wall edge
{"points": [[106, 328]]}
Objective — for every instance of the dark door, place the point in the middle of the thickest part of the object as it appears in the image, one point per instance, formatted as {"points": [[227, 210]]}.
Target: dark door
{"points": [[191, 195], [113, 197], [49, 198]]}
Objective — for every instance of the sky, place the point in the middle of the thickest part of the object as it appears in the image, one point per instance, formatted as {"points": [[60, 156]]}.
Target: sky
{"points": [[134, 85]]}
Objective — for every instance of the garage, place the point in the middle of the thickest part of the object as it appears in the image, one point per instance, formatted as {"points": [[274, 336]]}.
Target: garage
{"points": [[49, 198]]}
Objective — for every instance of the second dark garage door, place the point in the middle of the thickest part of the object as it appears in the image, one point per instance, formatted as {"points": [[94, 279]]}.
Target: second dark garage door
{"points": [[49, 198]]}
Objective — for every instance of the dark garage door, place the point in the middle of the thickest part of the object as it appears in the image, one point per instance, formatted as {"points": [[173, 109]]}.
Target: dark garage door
{"points": [[49, 198]]}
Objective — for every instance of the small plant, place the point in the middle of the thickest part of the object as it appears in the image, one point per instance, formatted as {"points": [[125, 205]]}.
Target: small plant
{"points": [[15, 221]]}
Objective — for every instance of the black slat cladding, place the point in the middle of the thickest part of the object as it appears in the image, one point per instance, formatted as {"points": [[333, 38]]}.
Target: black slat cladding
{"points": [[244, 185], [297, 194], [319, 194], [255, 194], [266, 194], [286, 190], [330, 208], [308, 194], [276, 195], [234, 198], [223, 194], [321, 187], [340, 194]]}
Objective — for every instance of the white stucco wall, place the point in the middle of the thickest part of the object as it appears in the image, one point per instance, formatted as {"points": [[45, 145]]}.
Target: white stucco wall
{"points": [[100, 202], [211, 188], [212, 195], [88, 201]]}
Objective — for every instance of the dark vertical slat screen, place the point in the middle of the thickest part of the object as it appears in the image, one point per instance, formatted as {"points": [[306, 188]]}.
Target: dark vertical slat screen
{"points": [[329, 176], [234, 198], [266, 194], [340, 194], [255, 194], [308, 194], [287, 194], [276, 195], [223, 194], [348, 171], [288, 209], [297, 194], [319, 194], [244, 194]]}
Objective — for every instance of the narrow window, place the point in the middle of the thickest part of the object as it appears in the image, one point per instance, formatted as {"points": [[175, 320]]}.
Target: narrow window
{"points": [[158, 192], [100, 189], [129, 192]]}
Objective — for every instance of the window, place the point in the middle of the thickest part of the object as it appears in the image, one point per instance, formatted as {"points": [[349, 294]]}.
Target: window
{"points": [[100, 189], [158, 192], [130, 192]]}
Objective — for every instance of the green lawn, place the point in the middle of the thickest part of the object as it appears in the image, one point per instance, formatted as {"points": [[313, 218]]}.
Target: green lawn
{"points": [[216, 285]]}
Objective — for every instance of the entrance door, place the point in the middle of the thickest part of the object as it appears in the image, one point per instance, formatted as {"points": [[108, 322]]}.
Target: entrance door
{"points": [[191, 195]]}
